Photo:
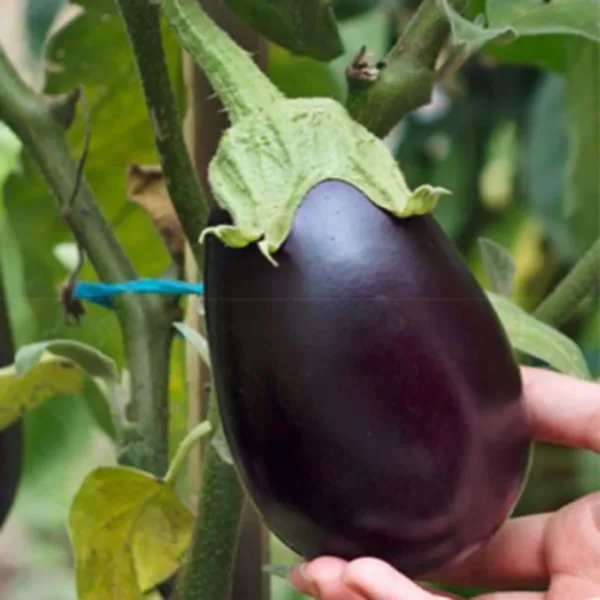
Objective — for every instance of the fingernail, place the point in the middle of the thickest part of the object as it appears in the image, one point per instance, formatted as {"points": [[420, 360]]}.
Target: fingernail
{"points": [[301, 579], [300, 576]]}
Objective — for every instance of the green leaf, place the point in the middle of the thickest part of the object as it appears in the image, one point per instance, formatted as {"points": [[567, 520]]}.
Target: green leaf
{"points": [[535, 17], [545, 163], [129, 532], [472, 34], [91, 360], [543, 51], [499, 265], [536, 30], [301, 76], [539, 340], [46, 370], [306, 27], [582, 202], [196, 339], [101, 369], [281, 571], [589, 339], [10, 147], [561, 177], [346, 9], [40, 16]]}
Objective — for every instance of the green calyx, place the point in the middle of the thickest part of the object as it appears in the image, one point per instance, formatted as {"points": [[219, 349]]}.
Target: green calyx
{"points": [[278, 149], [267, 163]]}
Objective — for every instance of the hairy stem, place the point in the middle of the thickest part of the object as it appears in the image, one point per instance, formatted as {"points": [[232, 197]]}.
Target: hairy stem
{"points": [[407, 81], [565, 298], [145, 328], [208, 574], [209, 121], [142, 20], [240, 84]]}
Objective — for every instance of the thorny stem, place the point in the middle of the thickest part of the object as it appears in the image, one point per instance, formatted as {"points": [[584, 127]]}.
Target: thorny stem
{"points": [[565, 298], [242, 87], [208, 574], [145, 328], [407, 81]]}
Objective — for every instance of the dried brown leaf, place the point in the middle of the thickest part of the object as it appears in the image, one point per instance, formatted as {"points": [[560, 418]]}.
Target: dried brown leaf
{"points": [[146, 188]]}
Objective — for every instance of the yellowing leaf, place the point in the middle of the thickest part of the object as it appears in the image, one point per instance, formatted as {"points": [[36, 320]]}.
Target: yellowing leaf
{"points": [[51, 377], [53, 368], [129, 532]]}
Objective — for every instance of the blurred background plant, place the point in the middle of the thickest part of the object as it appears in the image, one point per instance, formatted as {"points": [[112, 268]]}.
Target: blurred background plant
{"points": [[517, 142]]}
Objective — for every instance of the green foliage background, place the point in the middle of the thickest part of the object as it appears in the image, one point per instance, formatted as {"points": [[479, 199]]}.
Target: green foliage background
{"points": [[518, 146]]}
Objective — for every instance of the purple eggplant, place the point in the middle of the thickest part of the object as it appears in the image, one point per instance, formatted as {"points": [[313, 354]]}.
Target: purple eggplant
{"points": [[368, 392]]}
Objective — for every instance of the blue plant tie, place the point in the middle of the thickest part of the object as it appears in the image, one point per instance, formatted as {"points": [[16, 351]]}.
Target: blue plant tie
{"points": [[103, 293]]}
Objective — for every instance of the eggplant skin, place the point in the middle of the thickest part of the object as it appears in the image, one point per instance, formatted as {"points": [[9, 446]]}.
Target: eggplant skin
{"points": [[367, 389]]}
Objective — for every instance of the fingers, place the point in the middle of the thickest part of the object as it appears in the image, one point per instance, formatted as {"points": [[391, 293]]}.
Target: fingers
{"points": [[514, 557], [322, 578], [375, 580], [563, 410], [528, 550], [564, 587], [363, 579], [573, 540], [572, 588]]}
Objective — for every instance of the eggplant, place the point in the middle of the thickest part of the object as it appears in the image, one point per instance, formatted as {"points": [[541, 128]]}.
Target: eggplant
{"points": [[11, 439], [368, 392]]}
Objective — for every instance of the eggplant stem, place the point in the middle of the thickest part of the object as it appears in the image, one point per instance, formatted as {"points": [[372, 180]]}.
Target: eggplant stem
{"points": [[241, 86], [567, 295]]}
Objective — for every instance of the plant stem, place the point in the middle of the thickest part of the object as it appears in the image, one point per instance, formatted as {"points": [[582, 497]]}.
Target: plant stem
{"points": [[407, 81], [145, 328], [207, 124], [142, 20], [211, 562], [567, 295], [190, 440], [208, 574], [241, 85]]}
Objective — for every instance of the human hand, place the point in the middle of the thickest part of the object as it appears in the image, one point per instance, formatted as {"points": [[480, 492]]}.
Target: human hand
{"points": [[559, 551]]}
